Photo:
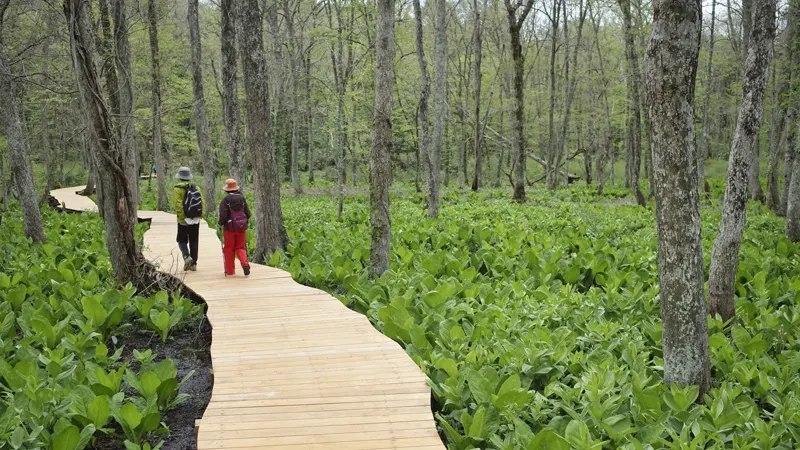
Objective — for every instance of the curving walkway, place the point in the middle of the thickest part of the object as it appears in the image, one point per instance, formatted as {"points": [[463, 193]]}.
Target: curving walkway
{"points": [[293, 367]]}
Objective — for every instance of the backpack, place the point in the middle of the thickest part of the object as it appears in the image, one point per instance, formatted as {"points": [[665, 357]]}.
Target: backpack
{"points": [[237, 219], [192, 203]]}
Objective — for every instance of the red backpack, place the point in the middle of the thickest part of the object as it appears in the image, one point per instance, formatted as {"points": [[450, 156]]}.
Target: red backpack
{"points": [[237, 220]]}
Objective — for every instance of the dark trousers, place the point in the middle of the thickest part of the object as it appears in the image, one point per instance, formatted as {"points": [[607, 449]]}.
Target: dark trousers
{"points": [[188, 234]]}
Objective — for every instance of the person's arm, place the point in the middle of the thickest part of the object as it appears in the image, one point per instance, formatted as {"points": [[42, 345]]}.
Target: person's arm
{"points": [[223, 212], [177, 198]]}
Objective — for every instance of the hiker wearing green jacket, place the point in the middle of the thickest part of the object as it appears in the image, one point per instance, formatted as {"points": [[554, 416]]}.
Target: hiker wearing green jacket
{"points": [[188, 203]]}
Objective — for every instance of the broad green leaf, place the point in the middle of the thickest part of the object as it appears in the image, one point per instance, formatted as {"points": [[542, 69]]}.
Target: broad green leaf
{"points": [[150, 383], [131, 416], [98, 411], [547, 439], [67, 439], [94, 311], [482, 383], [478, 427], [448, 365], [433, 298], [167, 391], [16, 296], [17, 438]]}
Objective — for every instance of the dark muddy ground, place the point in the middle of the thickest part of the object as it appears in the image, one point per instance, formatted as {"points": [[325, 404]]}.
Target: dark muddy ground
{"points": [[190, 349]]}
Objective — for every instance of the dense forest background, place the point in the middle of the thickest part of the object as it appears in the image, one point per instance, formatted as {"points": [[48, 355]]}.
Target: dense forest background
{"points": [[318, 51]]}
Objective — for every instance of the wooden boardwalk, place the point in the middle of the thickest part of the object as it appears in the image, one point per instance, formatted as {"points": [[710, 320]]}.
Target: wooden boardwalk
{"points": [[293, 367]]}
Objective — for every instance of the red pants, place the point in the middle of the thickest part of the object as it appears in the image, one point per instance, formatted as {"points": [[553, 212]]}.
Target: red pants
{"points": [[235, 243]]}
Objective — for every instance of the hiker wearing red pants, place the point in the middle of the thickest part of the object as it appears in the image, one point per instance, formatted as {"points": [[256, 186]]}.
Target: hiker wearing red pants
{"points": [[233, 217]]}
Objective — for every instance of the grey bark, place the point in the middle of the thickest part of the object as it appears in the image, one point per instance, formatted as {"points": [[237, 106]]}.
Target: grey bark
{"points": [[341, 72], [201, 121], [747, 25], [294, 54], [773, 198], [634, 140], [310, 122], [478, 136], [671, 69], [725, 255], [733, 35], [793, 200], [127, 102], [380, 161], [422, 114], [158, 148], [440, 108], [270, 232], [515, 22], [230, 91], [108, 69], [787, 115], [552, 143], [603, 154], [702, 154], [50, 155], [789, 159], [115, 198], [570, 83], [21, 172], [91, 170]]}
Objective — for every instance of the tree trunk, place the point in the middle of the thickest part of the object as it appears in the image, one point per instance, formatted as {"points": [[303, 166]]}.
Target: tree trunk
{"points": [[341, 75], [702, 154], [422, 115], [116, 198], [733, 35], [787, 114], [127, 102], [671, 68], [230, 91], [793, 200], [518, 146], [21, 172], [772, 172], [501, 128], [440, 108], [270, 232], [380, 161], [201, 122], [89, 165], [158, 150], [754, 175], [552, 145], [788, 161], [423, 130], [310, 120], [747, 25], [462, 157], [478, 138], [294, 54], [49, 154], [725, 255], [607, 146], [106, 53], [635, 117], [570, 83]]}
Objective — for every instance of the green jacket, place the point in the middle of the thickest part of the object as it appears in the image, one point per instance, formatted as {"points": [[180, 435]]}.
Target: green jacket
{"points": [[179, 193]]}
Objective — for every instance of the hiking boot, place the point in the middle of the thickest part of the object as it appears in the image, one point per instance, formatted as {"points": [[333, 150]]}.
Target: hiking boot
{"points": [[193, 268], [187, 263], [246, 268]]}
